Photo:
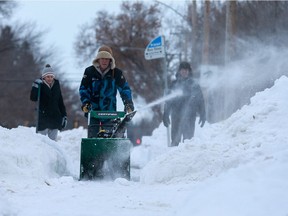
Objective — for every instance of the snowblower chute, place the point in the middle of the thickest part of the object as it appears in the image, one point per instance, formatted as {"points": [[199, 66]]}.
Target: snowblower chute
{"points": [[107, 156]]}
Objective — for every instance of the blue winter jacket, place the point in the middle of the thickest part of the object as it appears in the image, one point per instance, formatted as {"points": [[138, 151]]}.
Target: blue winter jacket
{"points": [[100, 90]]}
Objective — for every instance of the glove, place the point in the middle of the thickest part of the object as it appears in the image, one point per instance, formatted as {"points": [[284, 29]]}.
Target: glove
{"points": [[202, 121], [166, 120], [129, 107], [37, 82], [64, 122], [86, 107]]}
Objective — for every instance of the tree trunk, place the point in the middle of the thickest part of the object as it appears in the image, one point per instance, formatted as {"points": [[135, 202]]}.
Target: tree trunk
{"points": [[230, 42], [195, 39], [205, 49]]}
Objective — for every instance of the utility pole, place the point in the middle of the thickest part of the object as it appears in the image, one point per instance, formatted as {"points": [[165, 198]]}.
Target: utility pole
{"points": [[195, 38], [230, 43], [205, 49]]}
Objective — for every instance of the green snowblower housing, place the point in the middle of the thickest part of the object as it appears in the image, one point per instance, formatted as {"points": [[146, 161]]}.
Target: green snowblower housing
{"points": [[106, 156]]}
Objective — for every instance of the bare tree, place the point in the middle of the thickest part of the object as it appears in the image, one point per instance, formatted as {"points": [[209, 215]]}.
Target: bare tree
{"points": [[6, 8], [206, 42], [196, 42], [230, 40], [17, 69]]}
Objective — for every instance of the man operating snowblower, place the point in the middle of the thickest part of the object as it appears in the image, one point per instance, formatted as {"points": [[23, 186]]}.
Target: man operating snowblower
{"points": [[106, 151], [99, 87]]}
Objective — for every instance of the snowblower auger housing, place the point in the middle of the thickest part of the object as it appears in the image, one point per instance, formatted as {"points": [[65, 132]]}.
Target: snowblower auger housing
{"points": [[106, 156]]}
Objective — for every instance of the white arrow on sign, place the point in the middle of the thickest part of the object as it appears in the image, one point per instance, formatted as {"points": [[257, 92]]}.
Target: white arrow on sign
{"points": [[155, 49]]}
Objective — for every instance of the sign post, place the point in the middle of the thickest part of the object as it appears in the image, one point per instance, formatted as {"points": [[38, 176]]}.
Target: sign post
{"points": [[155, 50]]}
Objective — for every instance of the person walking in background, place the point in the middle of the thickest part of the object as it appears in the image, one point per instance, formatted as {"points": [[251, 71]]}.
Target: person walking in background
{"points": [[183, 109], [98, 88], [52, 114]]}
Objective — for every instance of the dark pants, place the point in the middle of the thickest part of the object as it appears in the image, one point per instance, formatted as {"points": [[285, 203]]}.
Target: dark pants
{"points": [[181, 128]]}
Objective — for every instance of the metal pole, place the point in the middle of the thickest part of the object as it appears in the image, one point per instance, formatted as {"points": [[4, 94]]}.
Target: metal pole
{"points": [[156, 49], [165, 76]]}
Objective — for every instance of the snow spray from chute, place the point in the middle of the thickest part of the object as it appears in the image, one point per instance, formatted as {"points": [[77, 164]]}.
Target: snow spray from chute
{"points": [[168, 97], [227, 89]]}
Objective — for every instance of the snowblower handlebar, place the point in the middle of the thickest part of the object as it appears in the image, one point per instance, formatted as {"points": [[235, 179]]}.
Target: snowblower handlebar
{"points": [[106, 114]]}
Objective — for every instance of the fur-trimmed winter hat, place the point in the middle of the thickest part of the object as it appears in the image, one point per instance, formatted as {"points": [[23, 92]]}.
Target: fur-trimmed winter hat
{"points": [[104, 52], [48, 70], [106, 48]]}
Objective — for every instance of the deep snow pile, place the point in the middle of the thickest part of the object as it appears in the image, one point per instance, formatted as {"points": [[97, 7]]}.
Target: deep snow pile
{"points": [[245, 155], [253, 134]]}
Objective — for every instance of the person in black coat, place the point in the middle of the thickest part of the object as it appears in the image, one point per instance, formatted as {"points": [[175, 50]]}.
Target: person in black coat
{"points": [[184, 108], [52, 114]]}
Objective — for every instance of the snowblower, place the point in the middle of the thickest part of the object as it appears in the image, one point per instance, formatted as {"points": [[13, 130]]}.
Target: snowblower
{"points": [[107, 156]]}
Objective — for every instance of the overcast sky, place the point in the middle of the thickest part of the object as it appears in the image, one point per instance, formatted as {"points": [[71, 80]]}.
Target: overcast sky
{"points": [[62, 20]]}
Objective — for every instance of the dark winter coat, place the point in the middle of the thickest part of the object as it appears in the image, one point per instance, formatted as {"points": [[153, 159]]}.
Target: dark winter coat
{"points": [[101, 92], [51, 106], [184, 109]]}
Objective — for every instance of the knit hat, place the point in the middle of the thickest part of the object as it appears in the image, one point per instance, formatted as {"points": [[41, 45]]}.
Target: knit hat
{"points": [[104, 52], [185, 65], [48, 70]]}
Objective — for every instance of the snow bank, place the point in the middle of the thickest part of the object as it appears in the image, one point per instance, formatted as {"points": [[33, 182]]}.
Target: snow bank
{"points": [[249, 134], [25, 154]]}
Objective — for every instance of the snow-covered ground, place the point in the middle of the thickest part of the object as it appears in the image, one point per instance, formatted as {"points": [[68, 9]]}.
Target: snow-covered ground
{"points": [[238, 167]]}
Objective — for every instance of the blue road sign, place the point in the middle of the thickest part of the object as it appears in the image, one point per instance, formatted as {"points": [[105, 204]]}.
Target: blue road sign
{"points": [[155, 49]]}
